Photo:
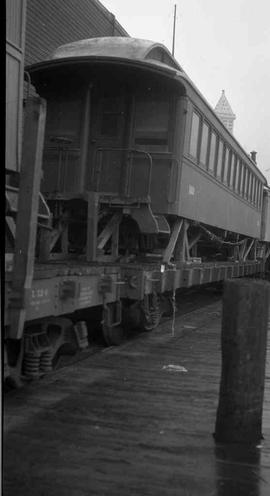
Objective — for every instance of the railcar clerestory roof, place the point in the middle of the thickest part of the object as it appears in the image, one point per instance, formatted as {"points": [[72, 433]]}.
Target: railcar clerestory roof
{"points": [[120, 47]]}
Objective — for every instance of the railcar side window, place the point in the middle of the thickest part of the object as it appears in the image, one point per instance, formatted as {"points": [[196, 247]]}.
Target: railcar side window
{"points": [[226, 165], [259, 195], [204, 144], [255, 191], [63, 119], [246, 184], [152, 123], [237, 171], [240, 176], [251, 185], [194, 135], [243, 180], [220, 158], [212, 154], [232, 170]]}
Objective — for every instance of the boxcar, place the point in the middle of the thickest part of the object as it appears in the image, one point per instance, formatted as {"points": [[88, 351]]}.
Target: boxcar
{"points": [[15, 33]]}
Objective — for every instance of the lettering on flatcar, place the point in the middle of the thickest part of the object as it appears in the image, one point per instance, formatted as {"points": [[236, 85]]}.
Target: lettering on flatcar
{"points": [[39, 297], [39, 293], [86, 296]]}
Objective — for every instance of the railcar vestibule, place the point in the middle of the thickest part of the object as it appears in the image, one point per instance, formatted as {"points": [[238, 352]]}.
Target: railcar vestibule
{"points": [[109, 129]]}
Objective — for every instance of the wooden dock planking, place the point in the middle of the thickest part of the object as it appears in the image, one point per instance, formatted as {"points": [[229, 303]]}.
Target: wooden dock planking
{"points": [[119, 424]]}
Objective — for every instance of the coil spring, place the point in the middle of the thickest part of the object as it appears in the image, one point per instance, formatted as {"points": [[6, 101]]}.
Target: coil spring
{"points": [[46, 361], [155, 316], [31, 365]]}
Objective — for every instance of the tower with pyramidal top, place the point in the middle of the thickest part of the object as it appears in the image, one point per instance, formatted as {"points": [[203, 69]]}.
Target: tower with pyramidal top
{"points": [[224, 112]]}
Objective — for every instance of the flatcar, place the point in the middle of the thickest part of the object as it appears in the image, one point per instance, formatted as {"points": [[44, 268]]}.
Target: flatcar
{"points": [[140, 174]]}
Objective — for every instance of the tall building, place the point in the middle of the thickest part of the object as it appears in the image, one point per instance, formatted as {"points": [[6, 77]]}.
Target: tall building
{"points": [[224, 112]]}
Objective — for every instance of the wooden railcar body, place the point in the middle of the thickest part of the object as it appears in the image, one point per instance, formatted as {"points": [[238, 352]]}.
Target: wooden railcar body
{"points": [[122, 103]]}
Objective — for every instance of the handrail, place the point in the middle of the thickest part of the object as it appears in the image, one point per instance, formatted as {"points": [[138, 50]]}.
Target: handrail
{"points": [[167, 155], [46, 215]]}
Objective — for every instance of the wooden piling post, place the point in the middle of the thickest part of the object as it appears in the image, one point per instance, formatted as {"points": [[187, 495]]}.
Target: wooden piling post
{"points": [[244, 342]]}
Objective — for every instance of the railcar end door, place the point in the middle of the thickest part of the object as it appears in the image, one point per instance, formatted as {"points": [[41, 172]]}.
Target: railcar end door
{"points": [[106, 143]]}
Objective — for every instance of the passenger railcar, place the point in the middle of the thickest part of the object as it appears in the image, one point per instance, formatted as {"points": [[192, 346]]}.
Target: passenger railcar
{"points": [[143, 182], [126, 123]]}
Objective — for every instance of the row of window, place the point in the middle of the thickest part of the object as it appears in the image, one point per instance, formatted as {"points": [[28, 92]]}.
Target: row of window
{"points": [[215, 155]]}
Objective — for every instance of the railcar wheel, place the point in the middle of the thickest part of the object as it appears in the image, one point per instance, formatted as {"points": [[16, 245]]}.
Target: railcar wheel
{"points": [[151, 312], [113, 335]]}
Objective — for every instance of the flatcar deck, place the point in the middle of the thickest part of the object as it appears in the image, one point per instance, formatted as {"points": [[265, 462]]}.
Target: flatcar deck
{"points": [[133, 420], [62, 287]]}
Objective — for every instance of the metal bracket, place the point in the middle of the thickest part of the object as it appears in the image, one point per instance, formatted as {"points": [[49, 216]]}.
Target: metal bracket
{"points": [[112, 314], [67, 289], [105, 284]]}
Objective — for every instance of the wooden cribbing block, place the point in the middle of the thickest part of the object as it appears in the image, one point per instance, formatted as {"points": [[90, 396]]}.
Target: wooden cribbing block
{"points": [[244, 343]]}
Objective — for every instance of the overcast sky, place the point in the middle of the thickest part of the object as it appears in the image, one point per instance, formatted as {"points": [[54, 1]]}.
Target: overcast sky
{"points": [[221, 45]]}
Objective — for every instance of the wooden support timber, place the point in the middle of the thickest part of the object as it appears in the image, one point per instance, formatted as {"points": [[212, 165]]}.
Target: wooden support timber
{"points": [[95, 242], [109, 230], [92, 225], [182, 247], [173, 239], [49, 237], [242, 249], [194, 240], [247, 251]]}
